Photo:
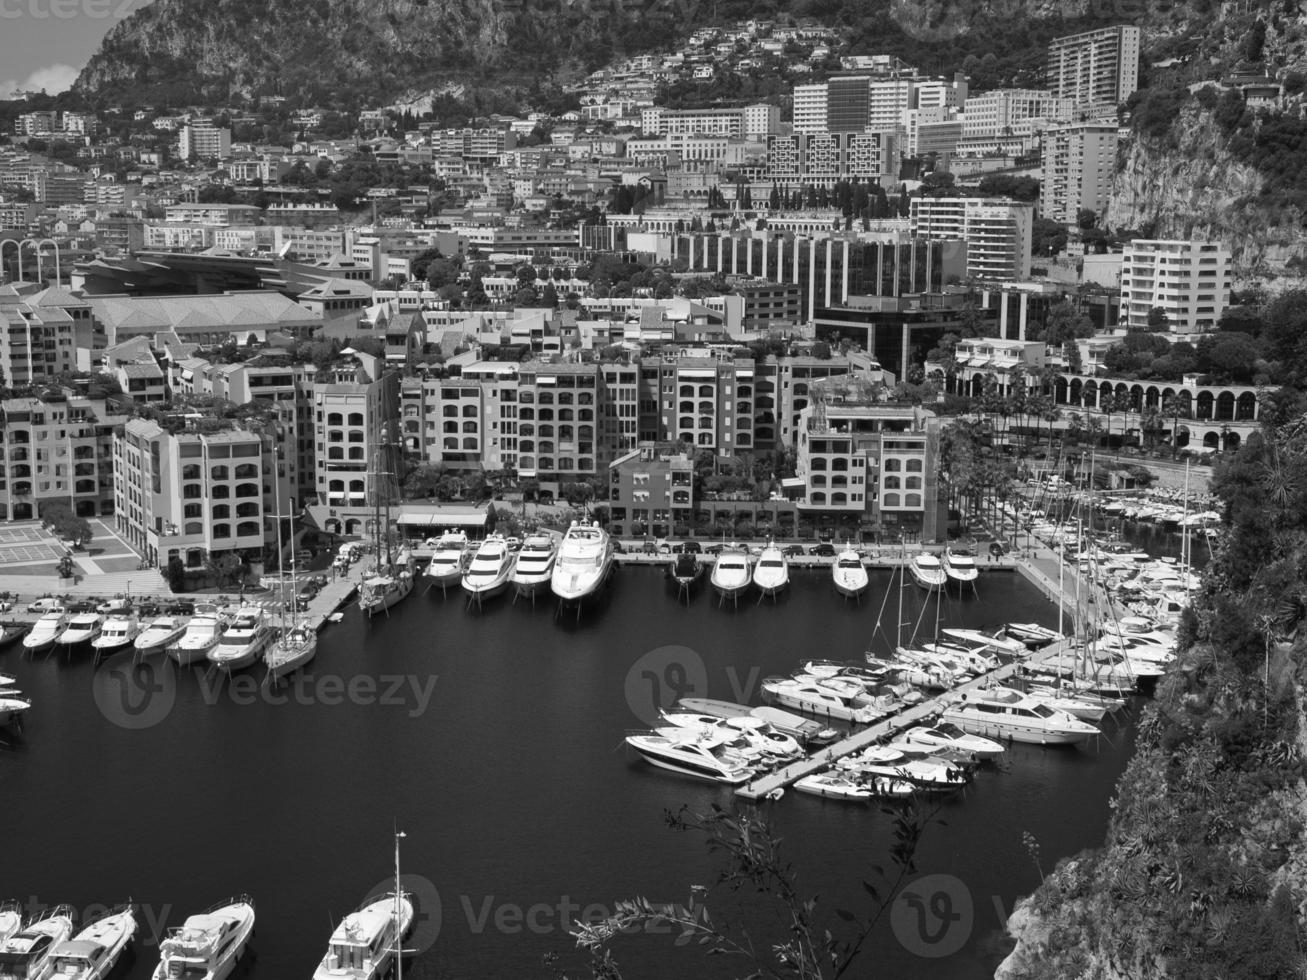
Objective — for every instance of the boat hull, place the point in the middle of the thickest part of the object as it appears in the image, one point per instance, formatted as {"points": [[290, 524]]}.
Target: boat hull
{"points": [[286, 656], [1013, 732], [379, 602], [684, 769], [575, 590]]}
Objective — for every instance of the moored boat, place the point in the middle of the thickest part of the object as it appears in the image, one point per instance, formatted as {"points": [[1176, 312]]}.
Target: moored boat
{"points": [[202, 634], [243, 641], [446, 565], [93, 953], [208, 945], [118, 634], [849, 573], [1005, 713], [960, 565], [44, 632], [771, 573], [927, 571], [487, 573], [583, 564], [535, 564], [160, 633], [730, 573]]}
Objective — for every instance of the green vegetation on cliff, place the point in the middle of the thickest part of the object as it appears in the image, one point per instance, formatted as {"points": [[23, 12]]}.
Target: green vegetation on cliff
{"points": [[1202, 875]]}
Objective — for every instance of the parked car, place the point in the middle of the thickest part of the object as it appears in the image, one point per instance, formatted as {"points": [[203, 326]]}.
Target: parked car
{"points": [[119, 603], [824, 550], [618, 547], [308, 590], [181, 607], [46, 604], [792, 550], [713, 549], [692, 548]]}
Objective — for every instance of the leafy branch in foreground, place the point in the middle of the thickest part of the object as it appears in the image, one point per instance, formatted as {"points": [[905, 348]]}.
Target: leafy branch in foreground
{"points": [[753, 863]]}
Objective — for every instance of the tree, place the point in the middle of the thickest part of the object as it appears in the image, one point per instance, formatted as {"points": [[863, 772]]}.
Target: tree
{"points": [[59, 517], [804, 949], [175, 573], [1158, 321]]}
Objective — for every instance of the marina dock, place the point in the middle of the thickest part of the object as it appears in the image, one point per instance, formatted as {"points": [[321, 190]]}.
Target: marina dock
{"points": [[917, 713]]}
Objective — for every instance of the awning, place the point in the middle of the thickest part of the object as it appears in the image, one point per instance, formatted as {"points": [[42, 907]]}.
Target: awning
{"points": [[411, 518]]}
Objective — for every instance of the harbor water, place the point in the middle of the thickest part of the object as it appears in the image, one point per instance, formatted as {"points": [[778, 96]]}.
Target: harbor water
{"points": [[494, 739]]}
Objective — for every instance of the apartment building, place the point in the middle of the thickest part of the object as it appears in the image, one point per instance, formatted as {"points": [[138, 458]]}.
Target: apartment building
{"points": [[1097, 70], [997, 232], [1013, 112], [856, 455], [355, 416], [1188, 280], [1076, 170], [759, 120], [705, 401], [558, 411], [41, 332], [651, 491], [810, 108], [828, 157], [217, 215], [202, 140], [194, 487], [58, 447]]}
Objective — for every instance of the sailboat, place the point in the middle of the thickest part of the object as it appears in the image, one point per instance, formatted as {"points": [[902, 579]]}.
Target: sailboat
{"points": [[392, 581], [297, 640], [365, 942]]}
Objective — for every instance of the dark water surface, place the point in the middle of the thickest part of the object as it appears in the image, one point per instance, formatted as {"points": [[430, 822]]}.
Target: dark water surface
{"points": [[520, 803]]}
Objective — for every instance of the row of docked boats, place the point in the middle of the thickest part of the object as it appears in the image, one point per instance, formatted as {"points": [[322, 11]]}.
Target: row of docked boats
{"points": [[13, 703], [207, 946], [573, 568], [736, 570], [227, 638]]}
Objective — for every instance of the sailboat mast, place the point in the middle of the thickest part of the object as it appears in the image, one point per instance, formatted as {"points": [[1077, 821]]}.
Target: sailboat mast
{"points": [[281, 577], [1186, 544], [399, 914]]}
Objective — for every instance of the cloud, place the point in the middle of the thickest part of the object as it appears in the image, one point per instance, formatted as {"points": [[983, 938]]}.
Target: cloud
{"points": [[52, 78]]}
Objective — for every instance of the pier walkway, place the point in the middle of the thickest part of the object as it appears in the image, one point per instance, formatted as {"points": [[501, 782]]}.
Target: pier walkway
{"points": [[917, 713]]}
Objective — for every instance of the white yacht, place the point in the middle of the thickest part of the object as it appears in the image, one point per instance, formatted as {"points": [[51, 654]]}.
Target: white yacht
{"points": [[535, 564], [849, 573], [118, 634], [686, 571], [246, 637], [202, 634], [731, 574], [291, 650], [997, 642], [960, 566], [13, 706], [836, 785], [364, 944], [771, 574], [821, 698], [927, 571], [584, 562], [160, 633], [95, 951], [948, 736], [1032, 634], [446, 565], [1005, 713], [11, 919], [45, 632], [755, 733], [208, 945], [82, 628], [692, 755], [387, 585], [488, 571], [26, 954]]}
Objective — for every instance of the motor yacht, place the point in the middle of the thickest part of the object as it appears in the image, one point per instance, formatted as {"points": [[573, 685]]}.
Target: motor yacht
{"points": [[45, 631], [690, 754], [365, 943], [208, 945], [488, 572], [160, 633], [1087, 707], [948, 736], [244, 641], [968, 658], [746, 730], [730, 573], [11, 919], [202, 634], [96, 949], [26, 954], [1006, 713], [838, 784], [584, 562], [118, 634], [13, 706], [1032, 634], [686, 571], [294, 648], [996, 643], [535, 564], [960, 566], [927, 571], [446, 565], [82, 628], [930, 774], [771, 574], [849, 573], [821, 699]]}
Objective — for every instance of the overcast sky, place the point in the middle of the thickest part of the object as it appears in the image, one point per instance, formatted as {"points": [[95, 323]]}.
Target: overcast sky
{"points": [[45, 43]]}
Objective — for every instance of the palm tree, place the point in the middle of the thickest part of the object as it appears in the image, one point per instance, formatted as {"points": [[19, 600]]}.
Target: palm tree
{"points": [[1107, 405]]}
